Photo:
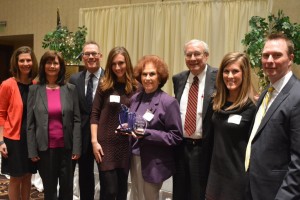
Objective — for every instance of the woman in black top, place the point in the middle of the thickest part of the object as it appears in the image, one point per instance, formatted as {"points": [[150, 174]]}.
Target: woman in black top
{"points": [[234, 109]]}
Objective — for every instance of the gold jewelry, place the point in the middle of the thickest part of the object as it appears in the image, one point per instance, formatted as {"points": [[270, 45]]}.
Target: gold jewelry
{"points": [[52, 86]]}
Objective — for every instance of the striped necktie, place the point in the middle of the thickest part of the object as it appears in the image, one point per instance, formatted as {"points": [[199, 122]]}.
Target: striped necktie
{"points": [[259, 116], [191, 111]]}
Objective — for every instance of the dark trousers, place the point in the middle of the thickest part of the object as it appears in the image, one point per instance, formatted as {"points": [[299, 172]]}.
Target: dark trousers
{"points": [[56, 165], [188, 184], [113, 184], [86, 174], [248, 195]]}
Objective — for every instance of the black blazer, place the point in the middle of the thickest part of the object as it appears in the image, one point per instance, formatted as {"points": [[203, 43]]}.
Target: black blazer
{"points": [[179, 82], [78, 80], [37, 119], [274, 171]]}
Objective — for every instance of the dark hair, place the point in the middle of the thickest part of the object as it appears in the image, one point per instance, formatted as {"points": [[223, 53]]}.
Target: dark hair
{"points": [[289, 43], [51, 55], [161, 68], [14, 67], [246, 92], [109, 79]]}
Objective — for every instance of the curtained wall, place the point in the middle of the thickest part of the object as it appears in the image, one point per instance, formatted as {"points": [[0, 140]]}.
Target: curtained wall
{"points": [[162, 28]]}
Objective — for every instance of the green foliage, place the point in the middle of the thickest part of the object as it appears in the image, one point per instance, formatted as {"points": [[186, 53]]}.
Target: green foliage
{"points": [[68, 43], [254, 40]]}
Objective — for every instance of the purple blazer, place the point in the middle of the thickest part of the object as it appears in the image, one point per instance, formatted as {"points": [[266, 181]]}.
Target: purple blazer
{"points": [[165, 128]]}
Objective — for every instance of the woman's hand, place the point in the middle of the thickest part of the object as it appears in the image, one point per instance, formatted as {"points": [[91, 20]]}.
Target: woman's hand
{"points": [[75, 156], [35, 159], [120, 131], [3, 150], [98, 152]]}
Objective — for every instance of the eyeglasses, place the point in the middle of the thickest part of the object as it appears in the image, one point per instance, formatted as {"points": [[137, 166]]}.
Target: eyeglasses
{"points": [[88, 54], [197, 54]]}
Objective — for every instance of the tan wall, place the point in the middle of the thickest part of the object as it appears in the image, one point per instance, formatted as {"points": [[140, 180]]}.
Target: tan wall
{"points": [[38, 17]]}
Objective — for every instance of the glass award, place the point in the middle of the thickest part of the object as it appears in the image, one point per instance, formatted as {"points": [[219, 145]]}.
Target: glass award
{"points": [[140, 126], [126, 119]]}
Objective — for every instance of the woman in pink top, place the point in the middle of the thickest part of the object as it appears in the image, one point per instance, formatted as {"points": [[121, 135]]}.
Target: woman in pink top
{"points": [[54, 137], [13, 113]]}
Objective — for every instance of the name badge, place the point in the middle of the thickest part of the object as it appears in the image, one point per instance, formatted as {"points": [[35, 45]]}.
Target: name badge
{"points": [[114, 98], [235, 119], [148, 116]]}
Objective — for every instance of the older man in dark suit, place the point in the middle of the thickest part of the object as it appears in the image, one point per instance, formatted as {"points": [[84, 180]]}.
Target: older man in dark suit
{"points": [[274, 167], [91, 56], [193, 155]]}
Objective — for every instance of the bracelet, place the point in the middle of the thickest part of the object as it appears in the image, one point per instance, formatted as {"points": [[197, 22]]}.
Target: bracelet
{"points": [[1, 142]]}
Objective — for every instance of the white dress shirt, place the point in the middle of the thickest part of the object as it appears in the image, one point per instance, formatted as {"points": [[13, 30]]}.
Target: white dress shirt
{"points": [[184, 102]]}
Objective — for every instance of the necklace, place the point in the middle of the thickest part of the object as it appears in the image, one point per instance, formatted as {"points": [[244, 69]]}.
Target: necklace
{"points": [[52, 86]]}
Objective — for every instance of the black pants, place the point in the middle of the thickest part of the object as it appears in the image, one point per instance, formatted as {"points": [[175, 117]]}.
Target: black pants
{"points": [[56, 165], [86, 174], [113, 184], [188, 183]]}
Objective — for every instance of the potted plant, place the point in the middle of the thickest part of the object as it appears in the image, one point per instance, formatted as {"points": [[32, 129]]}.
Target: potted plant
{"points": [[68, 43], [260, 28]]}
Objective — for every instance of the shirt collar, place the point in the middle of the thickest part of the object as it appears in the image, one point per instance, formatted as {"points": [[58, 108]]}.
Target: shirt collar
{"points": [[97, 74], [200, 76], [278, 85]]}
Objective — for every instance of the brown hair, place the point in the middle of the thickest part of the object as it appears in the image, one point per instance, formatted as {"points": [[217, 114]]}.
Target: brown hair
{"points": [[289, 43], [14, 67], [246, 92], [110, 78], [161, 68], [51, 55]]}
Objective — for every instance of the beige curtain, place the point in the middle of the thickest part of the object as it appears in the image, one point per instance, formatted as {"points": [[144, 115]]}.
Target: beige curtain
{"points": [[162, 28]]}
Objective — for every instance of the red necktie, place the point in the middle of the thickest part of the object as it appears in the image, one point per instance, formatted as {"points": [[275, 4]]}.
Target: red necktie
{"points": [[191, 111]]}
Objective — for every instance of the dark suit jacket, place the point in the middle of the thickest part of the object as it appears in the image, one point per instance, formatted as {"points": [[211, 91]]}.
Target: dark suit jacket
{"points": [[179, 82], [37, 119], [78, 80], [274, 171], [156, 150]]}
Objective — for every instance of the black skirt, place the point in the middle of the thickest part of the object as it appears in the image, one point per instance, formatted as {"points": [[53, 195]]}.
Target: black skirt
{"points": [[17, 163]]}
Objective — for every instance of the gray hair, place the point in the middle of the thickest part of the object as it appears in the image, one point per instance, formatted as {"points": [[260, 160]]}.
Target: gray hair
{"points": [[199, 42]]}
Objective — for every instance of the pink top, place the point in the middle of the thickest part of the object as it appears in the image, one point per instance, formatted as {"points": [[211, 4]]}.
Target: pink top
{"points": [[55, 125]]}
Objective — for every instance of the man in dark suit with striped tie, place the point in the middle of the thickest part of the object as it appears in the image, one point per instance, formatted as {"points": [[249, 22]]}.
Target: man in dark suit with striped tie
{"points": [[193, 90], [274, 166]]}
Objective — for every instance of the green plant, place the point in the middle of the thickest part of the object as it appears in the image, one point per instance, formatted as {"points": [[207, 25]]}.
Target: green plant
{"points": [[68, 43], [254, 40]]}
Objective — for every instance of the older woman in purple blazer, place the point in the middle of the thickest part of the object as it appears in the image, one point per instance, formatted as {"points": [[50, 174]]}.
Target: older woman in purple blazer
{"points": [[153, 154]]}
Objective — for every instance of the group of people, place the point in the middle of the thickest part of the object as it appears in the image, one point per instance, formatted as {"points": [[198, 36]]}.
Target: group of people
{"points": [[215, 138]]}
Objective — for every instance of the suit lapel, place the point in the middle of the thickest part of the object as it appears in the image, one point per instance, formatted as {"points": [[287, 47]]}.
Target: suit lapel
{"points": [[275, 105], [155, 101], [81, 92], [63, 97], [102, 73], [208, 89], [43, 95], [181, 84], [135, 104]]}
